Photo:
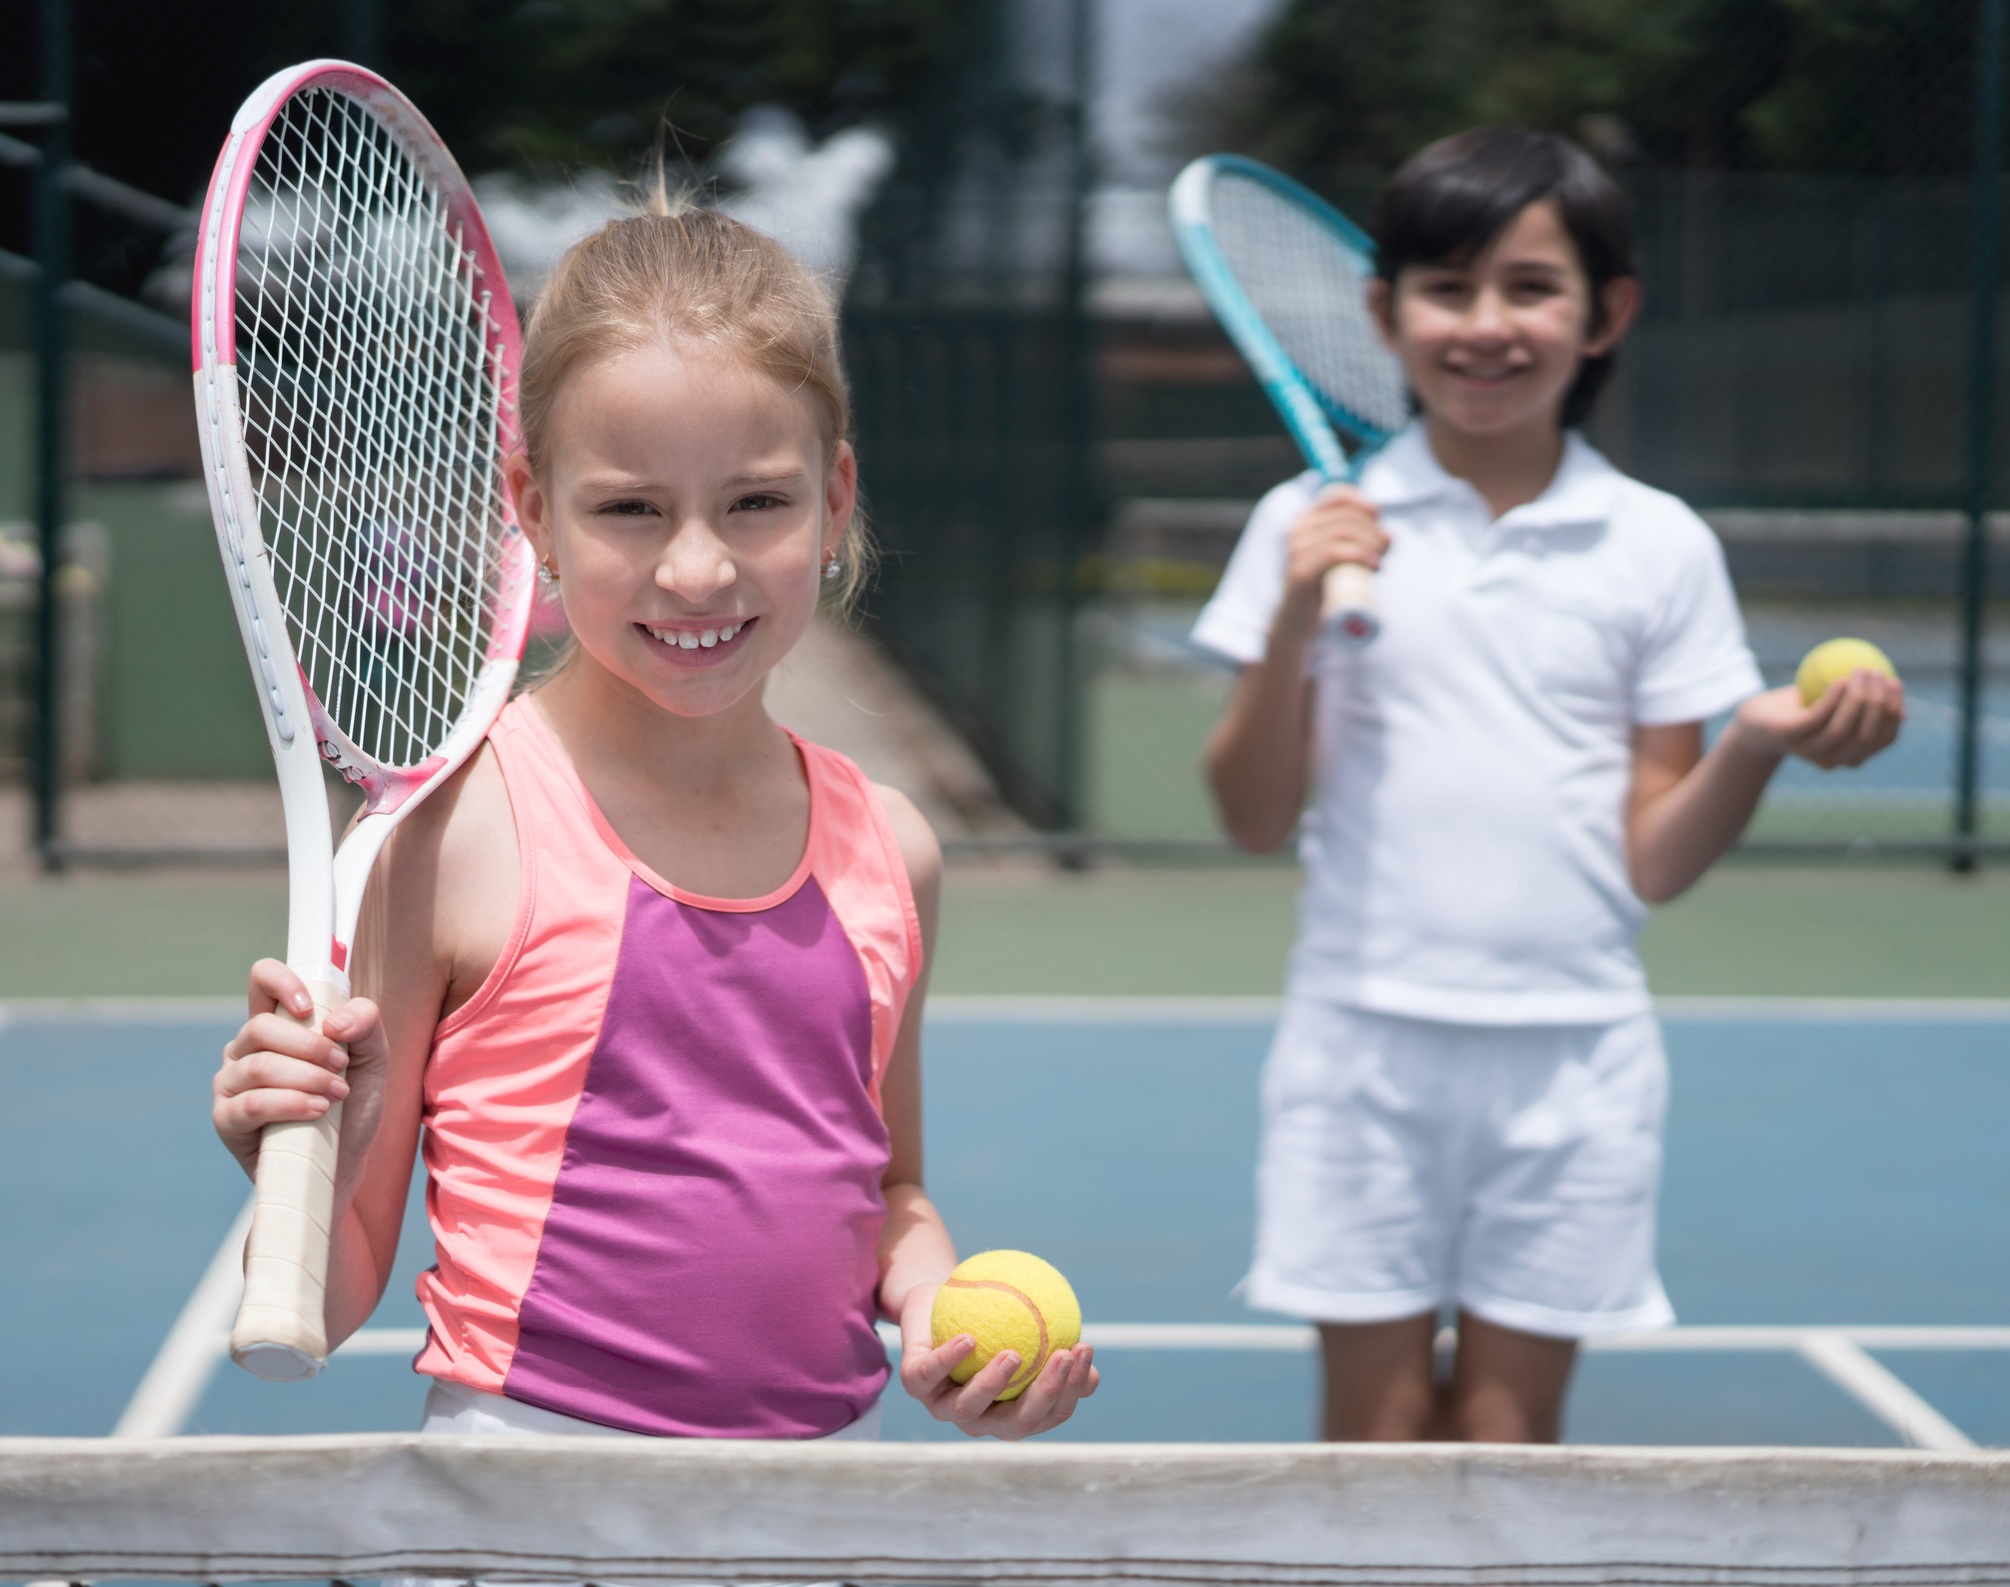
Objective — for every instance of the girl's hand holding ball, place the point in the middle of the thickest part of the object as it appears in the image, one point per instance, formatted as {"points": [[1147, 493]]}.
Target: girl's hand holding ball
{"points": [[995, 1348]]}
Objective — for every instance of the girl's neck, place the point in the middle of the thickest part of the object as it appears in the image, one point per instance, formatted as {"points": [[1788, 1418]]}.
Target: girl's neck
{"points": [[1509, 470], [611, 730], [718, 805]]}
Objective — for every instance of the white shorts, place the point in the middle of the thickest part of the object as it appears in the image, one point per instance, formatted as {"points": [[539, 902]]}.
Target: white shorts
{"points": [[1512, 1171], [456, 1408]]}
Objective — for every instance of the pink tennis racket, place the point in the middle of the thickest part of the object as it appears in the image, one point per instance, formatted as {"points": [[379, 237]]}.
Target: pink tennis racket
{"points": [[356, 358]]}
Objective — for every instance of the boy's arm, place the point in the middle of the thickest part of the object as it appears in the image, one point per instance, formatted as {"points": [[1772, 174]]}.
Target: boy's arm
{"points": [[1258, 753], [1258, 756], [1686, 808]]}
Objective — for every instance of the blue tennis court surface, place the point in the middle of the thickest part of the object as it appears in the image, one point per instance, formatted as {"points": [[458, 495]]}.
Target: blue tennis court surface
{"points": [[1830, 1167]]}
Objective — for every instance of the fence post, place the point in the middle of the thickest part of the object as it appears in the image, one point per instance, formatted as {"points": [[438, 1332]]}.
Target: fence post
{"points": [[1981, 419], [52, 226], [361, 33], [1079, 442]]}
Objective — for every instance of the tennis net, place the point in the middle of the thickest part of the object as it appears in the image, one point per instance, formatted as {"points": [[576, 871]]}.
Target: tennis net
{"points": [[563, 1509]]}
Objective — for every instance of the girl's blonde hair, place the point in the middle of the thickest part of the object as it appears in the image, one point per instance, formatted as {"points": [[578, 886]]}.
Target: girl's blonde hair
{"points": [[680, 270]]}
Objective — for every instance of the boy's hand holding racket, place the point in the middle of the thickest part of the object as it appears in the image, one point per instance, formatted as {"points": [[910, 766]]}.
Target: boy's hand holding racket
{"points": [[1341, 529]]}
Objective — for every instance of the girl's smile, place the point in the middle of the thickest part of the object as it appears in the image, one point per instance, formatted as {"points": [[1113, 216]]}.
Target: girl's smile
{"points": [[694, 646]]}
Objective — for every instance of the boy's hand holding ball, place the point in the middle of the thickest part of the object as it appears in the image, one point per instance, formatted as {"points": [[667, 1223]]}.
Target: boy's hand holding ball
{"points": [[1844, 705], [1833, 662], [996, 1347]]}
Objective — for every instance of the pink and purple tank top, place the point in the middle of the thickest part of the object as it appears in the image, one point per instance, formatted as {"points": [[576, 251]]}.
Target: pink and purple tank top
{"points": [[654, 1142]]}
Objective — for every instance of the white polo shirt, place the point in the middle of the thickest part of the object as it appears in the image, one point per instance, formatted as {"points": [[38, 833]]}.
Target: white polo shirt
{"points": [[1464, 851]]}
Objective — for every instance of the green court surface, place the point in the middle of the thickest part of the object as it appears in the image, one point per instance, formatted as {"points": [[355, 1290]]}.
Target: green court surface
{"points": [[1750, 929]]}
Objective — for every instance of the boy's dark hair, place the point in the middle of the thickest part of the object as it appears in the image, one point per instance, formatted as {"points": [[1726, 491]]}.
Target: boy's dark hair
{"points": [[1452, 198]]}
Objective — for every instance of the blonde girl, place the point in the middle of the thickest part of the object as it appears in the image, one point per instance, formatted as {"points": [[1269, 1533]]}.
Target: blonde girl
{"points": [[643, 984]]}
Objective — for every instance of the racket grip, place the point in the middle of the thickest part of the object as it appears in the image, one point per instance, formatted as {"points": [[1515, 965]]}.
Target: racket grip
{"points": [[281, 1333], [1348, 598]]}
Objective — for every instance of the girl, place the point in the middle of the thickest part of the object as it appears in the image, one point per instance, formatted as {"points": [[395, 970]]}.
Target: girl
{"points": [[1463, 1105], [649, 971]]}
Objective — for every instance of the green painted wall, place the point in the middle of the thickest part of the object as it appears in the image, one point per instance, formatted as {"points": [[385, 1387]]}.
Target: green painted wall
{"points": [[175, 697], [17, 476]]}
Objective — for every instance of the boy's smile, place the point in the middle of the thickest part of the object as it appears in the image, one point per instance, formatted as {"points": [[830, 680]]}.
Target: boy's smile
{"points": [[1491, 346]]}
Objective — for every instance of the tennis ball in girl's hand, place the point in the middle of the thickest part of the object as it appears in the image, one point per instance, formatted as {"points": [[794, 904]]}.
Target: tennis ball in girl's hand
{"points": [[1837, 659], [1006, 1300]]}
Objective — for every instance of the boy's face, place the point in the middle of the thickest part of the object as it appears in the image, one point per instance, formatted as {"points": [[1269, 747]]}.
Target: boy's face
{"points": [[1492, 346]]}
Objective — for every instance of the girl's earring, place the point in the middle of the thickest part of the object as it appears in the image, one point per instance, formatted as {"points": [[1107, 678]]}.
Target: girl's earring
{"points": [[546, 573], [831, 568]]}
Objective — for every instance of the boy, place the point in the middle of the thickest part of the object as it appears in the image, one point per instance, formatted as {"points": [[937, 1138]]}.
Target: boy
{"points": [[1464, 1102]]}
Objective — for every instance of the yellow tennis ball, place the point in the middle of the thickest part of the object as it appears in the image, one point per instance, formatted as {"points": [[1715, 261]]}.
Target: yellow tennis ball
{"points": [[1006, 1300], [1837, 659]]}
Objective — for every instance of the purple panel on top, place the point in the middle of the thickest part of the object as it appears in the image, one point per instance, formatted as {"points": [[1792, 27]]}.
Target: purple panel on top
{"points": [[710, 1258]]}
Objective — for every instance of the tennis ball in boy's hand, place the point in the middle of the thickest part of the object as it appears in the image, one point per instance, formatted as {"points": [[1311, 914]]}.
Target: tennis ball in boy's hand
{"points": [[1006, 1300], [1837, 659]]}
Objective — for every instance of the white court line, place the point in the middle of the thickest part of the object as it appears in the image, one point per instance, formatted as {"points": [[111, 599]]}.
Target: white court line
{"points": [[1839, 1354], [121, 1011], [194, 1346], [955, 1009], [1874, 1386], [1839, 1010], [950, 1009], [1266, 1337]]}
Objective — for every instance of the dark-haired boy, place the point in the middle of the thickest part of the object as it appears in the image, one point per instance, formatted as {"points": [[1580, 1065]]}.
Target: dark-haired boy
{"points": [[1463, 1106]]}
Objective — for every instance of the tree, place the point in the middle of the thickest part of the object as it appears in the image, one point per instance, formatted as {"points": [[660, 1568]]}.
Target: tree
{"points": [[551, 84], [1856, 86]]}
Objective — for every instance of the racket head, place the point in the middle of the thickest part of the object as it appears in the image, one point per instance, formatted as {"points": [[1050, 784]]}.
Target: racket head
{"points": [[356, 353], [1287, 275]]}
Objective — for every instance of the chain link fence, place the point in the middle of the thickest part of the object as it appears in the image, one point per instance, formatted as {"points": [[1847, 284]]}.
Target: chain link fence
{"points": [[965, 332], [1057, 445], [160, 750]]}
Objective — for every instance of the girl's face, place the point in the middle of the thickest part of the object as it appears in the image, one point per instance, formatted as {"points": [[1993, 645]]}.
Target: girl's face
{"points": [[688, 507], [1492, 346]]}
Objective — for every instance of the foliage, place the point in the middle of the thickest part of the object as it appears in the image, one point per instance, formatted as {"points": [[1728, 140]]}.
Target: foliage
{"points": [[1852, 86], [521, 82], [530, 84]]}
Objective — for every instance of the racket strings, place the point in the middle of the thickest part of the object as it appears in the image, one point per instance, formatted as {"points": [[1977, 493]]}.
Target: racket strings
{"points": [[1309, 285], [400, 320], [373, 383]]}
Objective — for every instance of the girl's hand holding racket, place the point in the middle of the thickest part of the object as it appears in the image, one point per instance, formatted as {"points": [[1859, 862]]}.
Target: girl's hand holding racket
{"points": [[1338, 538], [1855, 718], [279, 1069], [1069, 1377]]}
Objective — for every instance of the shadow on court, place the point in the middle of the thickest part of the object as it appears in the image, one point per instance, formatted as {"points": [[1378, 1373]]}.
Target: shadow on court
{"points": [[1825, 1167]]}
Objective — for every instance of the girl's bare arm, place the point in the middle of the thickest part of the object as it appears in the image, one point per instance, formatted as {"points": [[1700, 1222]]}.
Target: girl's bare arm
{"points": [[915, 1252], [427, 916]]}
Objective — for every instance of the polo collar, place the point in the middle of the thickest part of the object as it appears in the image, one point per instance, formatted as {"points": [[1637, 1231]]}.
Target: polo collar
{"points": [[1407, 472]]}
